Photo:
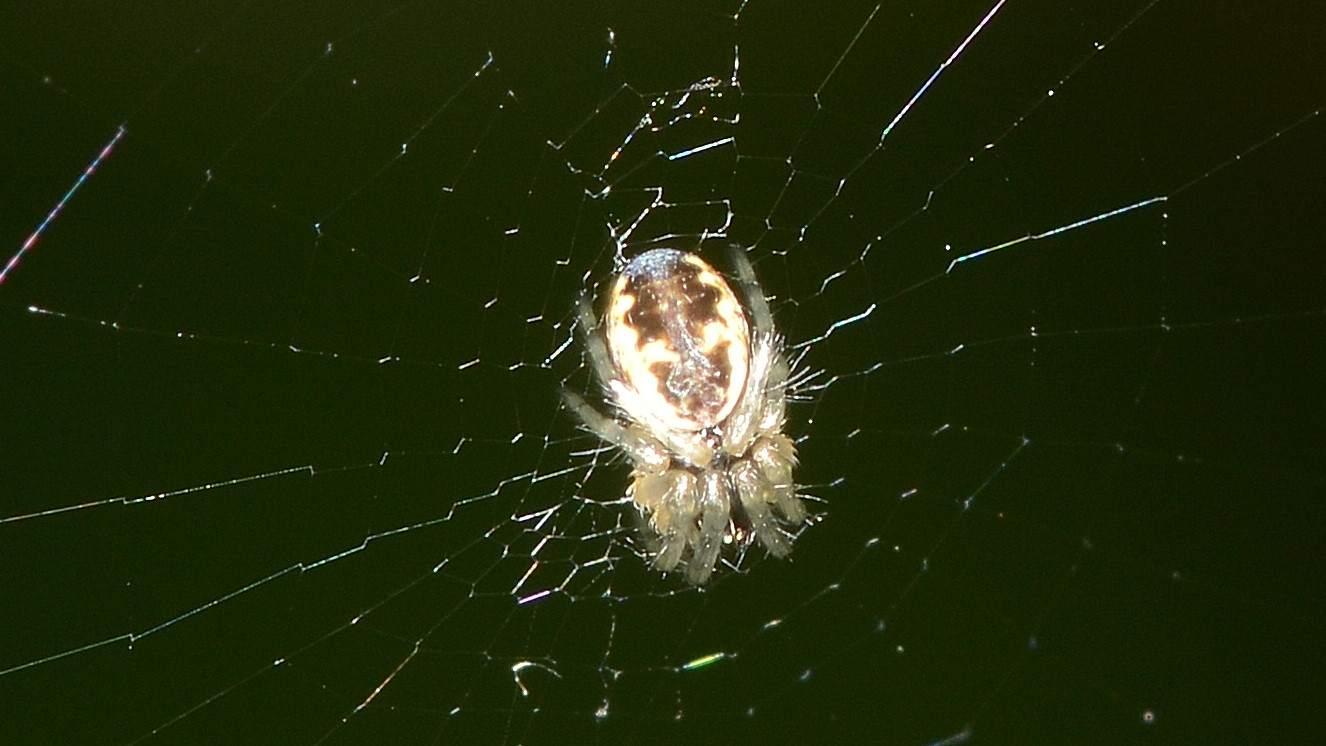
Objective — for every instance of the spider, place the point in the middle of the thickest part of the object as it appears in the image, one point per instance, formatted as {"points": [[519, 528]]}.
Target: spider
{"points": [[697, 394]]}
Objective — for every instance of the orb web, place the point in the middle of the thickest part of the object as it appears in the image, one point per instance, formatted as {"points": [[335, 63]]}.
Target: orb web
{"points": [[284, 454]]}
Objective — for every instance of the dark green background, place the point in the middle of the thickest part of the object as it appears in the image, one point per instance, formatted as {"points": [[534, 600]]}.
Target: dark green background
{"points": [[1132, 421]]}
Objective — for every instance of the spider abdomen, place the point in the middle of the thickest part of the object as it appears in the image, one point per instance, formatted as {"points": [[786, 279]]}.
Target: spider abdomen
{"points": [[677, 333]]}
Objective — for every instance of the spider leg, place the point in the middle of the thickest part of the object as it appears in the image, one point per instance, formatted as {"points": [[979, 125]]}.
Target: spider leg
{"points": [[756, 303], [714, 513]]}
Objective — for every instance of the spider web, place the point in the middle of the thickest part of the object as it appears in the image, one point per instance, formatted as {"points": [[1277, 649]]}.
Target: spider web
{"points": [[284, 459]]}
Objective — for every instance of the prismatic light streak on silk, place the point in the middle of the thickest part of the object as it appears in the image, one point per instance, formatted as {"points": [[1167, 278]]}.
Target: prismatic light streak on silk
{"points": [[59, 206]]}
